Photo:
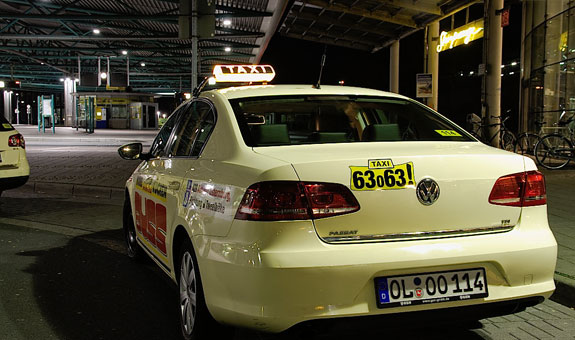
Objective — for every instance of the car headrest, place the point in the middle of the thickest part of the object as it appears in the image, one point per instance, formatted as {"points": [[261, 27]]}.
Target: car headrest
{"points": [[276, 134], [381, 132]]}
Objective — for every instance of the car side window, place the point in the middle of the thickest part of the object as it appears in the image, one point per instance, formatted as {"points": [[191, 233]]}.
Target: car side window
{"points": [[196, 124], [207, 124], [163, 137]]}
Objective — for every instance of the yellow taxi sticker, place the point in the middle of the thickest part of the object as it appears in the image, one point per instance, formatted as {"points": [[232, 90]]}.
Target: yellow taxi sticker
{"points": [[7, 126], [448, 133], [399, 176]]}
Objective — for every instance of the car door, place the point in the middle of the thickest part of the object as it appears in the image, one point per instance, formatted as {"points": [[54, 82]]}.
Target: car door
{"points": [[204, 204], [151, 204]]}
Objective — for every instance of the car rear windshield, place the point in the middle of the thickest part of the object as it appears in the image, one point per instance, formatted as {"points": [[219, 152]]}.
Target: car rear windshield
{"points": [[4, 125], [288, 120]]}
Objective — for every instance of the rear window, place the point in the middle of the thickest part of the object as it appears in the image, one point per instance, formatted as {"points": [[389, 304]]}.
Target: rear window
{"points": [[4, 125], [288, 120]]}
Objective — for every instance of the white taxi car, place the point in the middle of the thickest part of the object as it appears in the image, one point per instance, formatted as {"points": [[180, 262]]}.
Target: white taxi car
{"points": [[14, 168], [272, 205]]}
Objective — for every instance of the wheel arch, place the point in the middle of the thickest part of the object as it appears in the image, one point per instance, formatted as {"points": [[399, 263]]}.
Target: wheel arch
{"points": [[180, 235]]}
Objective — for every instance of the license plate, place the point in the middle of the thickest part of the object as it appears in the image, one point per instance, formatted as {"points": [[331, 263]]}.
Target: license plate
{"points": [[419, 289]]}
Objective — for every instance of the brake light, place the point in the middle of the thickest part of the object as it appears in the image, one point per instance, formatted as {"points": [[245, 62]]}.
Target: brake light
{"points": [[290, 200], [522, 189], [17, 140]]}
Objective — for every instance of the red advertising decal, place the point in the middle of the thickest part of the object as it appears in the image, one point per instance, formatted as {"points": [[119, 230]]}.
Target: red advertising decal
{"points": [[151, 223]]}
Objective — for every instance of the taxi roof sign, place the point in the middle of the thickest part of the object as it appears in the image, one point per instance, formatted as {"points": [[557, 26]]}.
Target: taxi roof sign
{"points": [[243, 73]]}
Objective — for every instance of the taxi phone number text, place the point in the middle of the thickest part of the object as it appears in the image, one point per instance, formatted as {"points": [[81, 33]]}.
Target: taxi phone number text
{"points": [[398, 177]]}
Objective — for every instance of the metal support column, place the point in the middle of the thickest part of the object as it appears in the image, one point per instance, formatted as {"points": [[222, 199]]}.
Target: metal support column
{"points": [[433, 63], [108, 71], [394, 67], [492, 112], [127, 70], [195, 59]]}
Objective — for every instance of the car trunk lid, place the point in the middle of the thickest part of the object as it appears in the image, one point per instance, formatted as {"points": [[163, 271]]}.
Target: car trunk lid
{"points": [[385, 179]]}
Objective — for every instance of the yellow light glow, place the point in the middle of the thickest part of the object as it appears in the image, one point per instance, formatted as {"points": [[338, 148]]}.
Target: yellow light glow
{"points": [[243, 73], [463, 35]]}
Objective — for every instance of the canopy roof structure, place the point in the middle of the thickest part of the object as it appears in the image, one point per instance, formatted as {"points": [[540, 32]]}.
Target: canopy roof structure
{"points": [[368, 25], [43, 41]]}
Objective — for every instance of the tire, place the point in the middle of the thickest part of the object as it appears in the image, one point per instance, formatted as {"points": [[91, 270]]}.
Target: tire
{"points": [[507, 141], [132, 247], [553, 151], [196, 322], [525, 144]]}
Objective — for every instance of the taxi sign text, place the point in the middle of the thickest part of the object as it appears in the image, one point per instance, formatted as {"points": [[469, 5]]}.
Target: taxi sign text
{"points": [[243, 73], [380, 164]]}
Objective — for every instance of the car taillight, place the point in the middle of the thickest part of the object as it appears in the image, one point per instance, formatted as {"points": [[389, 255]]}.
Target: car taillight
{"points": [[17, 140], [290, 200], [523, 189]]}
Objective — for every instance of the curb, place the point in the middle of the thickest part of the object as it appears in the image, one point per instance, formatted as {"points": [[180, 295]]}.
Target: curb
{"points": [[73, 190], [564, 290]]}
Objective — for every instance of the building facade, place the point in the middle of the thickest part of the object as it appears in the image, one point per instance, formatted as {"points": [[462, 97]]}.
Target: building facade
{"points": [[548, 66]]}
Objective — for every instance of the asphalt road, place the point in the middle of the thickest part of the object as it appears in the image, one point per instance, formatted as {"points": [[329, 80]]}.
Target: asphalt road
{"points": [[64, 274]]}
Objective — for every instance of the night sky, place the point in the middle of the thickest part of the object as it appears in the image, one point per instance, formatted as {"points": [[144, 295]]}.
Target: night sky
{"points": [[298, 61]]}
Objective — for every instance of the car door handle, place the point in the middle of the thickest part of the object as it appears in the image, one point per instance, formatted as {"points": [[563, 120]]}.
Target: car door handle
{"points": [[174, 185]]}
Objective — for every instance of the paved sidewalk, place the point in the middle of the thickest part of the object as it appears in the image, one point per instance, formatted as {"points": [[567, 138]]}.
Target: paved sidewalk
{"points": [[75, 164], [67, 136]]}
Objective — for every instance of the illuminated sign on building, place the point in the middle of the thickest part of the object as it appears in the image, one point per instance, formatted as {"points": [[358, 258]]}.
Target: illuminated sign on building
{"points": [[462, 35]]}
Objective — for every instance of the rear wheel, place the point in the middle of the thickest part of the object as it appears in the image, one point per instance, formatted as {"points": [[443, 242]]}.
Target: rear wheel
{"points": [[525, 144], [553, 151], [507, 141], [196, 321]]}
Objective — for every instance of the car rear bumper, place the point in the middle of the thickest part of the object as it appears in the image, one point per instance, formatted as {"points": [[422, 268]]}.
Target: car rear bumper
{"points": [[271, 276], [12, 182]]}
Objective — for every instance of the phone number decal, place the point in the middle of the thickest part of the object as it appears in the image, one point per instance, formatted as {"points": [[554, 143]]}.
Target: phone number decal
{"points": [[399, 176]]}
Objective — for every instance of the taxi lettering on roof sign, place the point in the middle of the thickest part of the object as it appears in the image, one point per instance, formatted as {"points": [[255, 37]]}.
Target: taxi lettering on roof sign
{"points": [[243, 73]]}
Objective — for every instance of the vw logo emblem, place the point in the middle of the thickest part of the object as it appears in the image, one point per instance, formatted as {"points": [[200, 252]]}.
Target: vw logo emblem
{"points": [[427, 191]]}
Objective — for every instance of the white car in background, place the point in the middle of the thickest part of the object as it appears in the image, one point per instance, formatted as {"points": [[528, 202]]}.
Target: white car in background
{"points": [[270, 206], [14, 168]]}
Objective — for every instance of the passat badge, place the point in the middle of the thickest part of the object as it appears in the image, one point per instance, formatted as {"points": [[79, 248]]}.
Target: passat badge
{"points": [[427, 191]]}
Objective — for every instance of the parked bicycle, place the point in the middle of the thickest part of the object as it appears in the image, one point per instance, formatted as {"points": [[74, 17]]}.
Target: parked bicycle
{"points": [[506, 138], [526, 141], [555, 151]]}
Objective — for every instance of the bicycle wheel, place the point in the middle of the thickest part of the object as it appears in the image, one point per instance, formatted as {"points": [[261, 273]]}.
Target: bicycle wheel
{"points": [[507, 141], [553, 151], [525, 144]]}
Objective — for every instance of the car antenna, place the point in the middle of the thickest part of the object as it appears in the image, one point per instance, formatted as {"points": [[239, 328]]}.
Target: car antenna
{"points": [[200, 87], [317, 86]]}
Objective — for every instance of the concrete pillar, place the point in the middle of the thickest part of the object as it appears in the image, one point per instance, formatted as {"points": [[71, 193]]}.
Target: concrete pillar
{"points": [[394, 67], [493, 74], [8, 105], [70, 102], [433, 63]]}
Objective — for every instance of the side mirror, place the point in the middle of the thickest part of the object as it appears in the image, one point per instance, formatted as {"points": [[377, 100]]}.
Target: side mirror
{"points": [[132, 151]]}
